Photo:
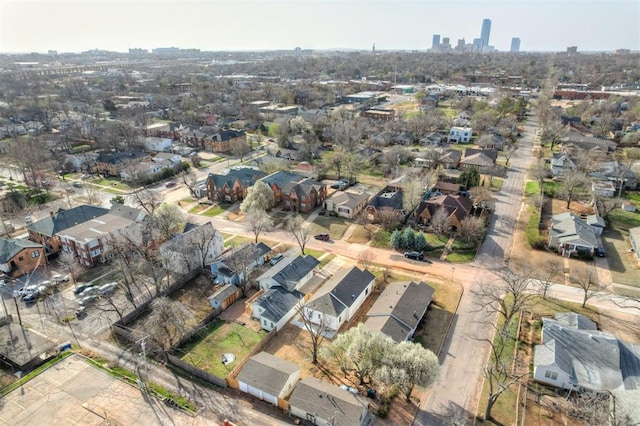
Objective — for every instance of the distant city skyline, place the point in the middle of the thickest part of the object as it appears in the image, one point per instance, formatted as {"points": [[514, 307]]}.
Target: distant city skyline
{"points": [[244, 25]]}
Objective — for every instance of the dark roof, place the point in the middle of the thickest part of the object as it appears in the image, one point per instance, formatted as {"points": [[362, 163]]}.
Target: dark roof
{"points": [[447, 186], [399, 309], [391, 199], [64, 219], [281, 178], [249, 251], [123, 211], [268, 373], [480, 156], [224, 292], [120, 157], [245, 176], [277, 302], [348, 199], [10, 247], [328, 401], [291, 274], [345, 287]]}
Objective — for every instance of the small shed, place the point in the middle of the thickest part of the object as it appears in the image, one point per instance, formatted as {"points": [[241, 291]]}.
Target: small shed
{"points": [[224, 297], [269, 378]]}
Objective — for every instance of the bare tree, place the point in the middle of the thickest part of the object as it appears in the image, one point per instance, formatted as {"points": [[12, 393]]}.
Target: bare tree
{"points": [[191, 182], [588, 283], [299, 231], [481, 196], [550, 273], [258, 221], [146, 199], [316, 327], [472, 229], [90, 192], [440, 221], [167, 220], [366, 258], [69, 264], [240, 147], [168, 322], [573, 184]]}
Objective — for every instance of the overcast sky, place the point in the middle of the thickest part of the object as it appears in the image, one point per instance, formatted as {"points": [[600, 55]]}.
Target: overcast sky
{"points": [[78, 25]]}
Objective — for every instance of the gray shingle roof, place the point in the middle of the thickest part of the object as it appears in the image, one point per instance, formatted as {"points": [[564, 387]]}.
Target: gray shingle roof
{"points": [[291, 274], [569, 228], [245, 176], [277, 302], [10, 247], [267, 373], [344, 287], [65, 219]]}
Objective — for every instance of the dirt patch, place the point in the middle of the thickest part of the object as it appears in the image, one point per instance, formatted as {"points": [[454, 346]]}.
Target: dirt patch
{"points": [[289, 344], [240, 311], [194, 294]]}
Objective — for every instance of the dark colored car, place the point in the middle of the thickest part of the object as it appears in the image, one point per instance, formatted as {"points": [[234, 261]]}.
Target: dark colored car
{"points": [[170, 184], [415, 255], [277, 258], [322, 237], [30, 298], [600, 252], [80, 288]]}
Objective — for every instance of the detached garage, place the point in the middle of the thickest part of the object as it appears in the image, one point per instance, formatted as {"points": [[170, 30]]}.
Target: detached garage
{"points": [[269, 378]]}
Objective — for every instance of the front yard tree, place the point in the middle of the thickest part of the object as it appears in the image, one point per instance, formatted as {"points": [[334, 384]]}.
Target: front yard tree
{"points": [[408, 238], [551, 272], [420, 242], [240, 148], [588, 283], [472, 229], [168, 219], [299, 231], [573, 184], [409, 365], [168, 322], [258, 221], [439, 221], [316, 329], [259, 197], [480, 196]]}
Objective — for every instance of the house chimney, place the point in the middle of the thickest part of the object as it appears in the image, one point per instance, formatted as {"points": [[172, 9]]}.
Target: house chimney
{"points": [[51, 214]]}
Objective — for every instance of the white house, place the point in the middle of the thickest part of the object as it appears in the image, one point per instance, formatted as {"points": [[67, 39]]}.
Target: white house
{"points": [[234, 266], [339, 299], [268, 378], [460, 134], [574, 355], [289, 274], [569, 234], [152, 143], [196, 248], [141, 170], [347, 204], [275, 307], [167, 158], [603, 188]]}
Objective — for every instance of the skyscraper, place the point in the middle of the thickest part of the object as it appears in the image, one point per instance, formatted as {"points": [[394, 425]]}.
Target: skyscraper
{"points": [[436, 42], [515, 45], [484, 34]]}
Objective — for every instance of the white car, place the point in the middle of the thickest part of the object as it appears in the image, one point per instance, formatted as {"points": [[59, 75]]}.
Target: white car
{"points": [[59, 278], [89, 291], [107, 288]]}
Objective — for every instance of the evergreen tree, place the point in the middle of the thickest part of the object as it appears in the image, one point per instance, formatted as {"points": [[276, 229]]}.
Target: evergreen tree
{"points": [[409, 238], [420, 242], [395, 239]]}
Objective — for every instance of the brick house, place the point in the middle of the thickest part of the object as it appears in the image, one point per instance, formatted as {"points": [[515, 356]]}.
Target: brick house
{"points": [[295, 192], [233, 186], [111, 164], [19, 256], [222, 141], [46, 231], [457, 207]]}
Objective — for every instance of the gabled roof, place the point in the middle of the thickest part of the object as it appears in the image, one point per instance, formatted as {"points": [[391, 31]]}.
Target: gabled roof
{"points": [[244, 175], [479, 157], [126, 212], [595, 220], [289, 276], [327, 401], [281, 178], [399, 309], [455, 205], [447, 186], [569, 228], [392, 199], [224, 292], [341, 291], [277, 302], [349, 199], [592, 359], [120, 157], [267, 373], [64, 219], [450, 156], [248, 252], [10, 247]]}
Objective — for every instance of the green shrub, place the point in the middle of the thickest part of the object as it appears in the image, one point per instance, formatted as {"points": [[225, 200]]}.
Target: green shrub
{"points": [[383, 410]]}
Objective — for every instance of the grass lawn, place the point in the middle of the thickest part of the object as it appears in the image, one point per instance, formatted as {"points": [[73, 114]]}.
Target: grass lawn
{"points": [[213, 211], [531, 188], [334, 226], [633, 196], [433, 330], [550, 188], [278, 218], [235, 240], [221, 338], [460, 146], [435, 241], [111, 182], [622, 263], [496, 184], [448, 112], [314, 253], [359, 235], [199, 208], [461, 256], [381, 239], [326, 260], [622, 220]]}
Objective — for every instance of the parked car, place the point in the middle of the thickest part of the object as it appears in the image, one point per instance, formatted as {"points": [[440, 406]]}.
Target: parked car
{"points": [[322, 237], [89, 291], [77, 184], [415, 255], [88, 300], [107, 288], [600, 252], [79, 288], [48, 284], [277, 258], [81, 312], [170, 184], [85, 176], [59, 278], [30, 298]]}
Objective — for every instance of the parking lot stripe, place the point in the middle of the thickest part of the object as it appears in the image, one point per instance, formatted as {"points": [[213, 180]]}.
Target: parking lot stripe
{"points": [[17, 404]]}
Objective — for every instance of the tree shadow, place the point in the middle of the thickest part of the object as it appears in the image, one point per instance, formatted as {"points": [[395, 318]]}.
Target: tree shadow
{"points": [[451, 414]]}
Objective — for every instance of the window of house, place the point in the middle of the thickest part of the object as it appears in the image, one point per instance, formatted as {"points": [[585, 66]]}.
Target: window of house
{"points": [[20, 258], [366, 291], [551, 375], [35, 253]]}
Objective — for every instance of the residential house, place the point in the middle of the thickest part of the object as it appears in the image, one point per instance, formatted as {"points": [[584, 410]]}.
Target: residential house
{"points": [[156, 144], [303, 196], [19, 256], [111, 164], [46, 231], [596, 223], [496, 142], [275, 307], [346, 204], [617, 174], [634, 240], [450, 159], [195, 248], [278, 180], [138, 172], [429, 101], [432, 139], [289, 275], [569, 234], [89, 240], [233, 186], [268, 378], [460, 134], [169, 130], [234, 267], [322, 403], [168, 158], [457, 207], [384, 200], [482, 159], [604, 189], [399, 309], [574, 355], [597, 149], [222, 141], [446, 188], [404, 138], [340, 298], [561, 164], [224, 297]]}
